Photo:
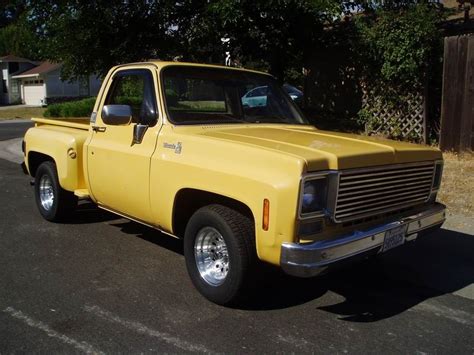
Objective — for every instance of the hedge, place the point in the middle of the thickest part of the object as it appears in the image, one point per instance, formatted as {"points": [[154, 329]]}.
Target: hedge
{"points": [[80, 108]]}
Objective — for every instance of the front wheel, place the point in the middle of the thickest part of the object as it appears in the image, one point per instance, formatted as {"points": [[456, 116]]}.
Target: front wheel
{"points": [[219, 248], [53, 202]]}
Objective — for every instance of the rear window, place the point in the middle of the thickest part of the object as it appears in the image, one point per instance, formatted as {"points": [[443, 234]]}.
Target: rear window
{"points": [[194, 95]]}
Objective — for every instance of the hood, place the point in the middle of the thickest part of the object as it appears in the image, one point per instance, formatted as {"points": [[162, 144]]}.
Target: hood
{"points": [[323, 149]]}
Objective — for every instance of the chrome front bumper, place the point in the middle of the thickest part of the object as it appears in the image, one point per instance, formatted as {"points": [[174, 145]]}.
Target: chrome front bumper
{"points": [[310, 259]]}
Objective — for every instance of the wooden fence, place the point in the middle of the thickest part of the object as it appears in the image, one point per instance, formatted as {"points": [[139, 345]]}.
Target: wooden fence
{"points": [[457, 110]]}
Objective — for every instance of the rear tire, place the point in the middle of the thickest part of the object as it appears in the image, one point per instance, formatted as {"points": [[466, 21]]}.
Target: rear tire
{"points": [[53, 202], [219, 248]]}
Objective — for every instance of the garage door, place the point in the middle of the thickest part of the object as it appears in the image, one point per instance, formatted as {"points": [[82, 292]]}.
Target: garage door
{"points": [[34, 94]]}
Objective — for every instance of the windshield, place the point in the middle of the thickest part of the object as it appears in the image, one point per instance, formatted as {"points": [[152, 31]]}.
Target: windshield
{"points": [[197, 95]]}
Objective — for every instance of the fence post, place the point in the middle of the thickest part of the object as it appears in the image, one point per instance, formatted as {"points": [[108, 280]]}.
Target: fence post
{"points": [[467, 111], [457, 110]]}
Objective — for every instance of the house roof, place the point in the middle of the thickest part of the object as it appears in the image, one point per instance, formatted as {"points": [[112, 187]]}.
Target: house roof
{"points": [[14, 58], [43, 68]]}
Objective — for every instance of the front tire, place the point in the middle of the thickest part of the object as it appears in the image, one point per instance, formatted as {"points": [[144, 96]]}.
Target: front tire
{"points": [[53, 202], [219, 248]]}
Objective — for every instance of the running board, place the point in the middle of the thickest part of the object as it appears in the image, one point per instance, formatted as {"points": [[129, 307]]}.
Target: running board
{"points": [[158, 228]]}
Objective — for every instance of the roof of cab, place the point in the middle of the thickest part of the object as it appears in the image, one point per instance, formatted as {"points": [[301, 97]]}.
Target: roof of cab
{"points": [[162, 64]]}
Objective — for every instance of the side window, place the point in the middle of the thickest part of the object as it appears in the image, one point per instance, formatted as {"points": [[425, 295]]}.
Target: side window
{"points": [[135, 89]]}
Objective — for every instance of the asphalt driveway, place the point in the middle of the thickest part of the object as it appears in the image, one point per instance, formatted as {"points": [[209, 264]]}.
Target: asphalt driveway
{"points": [[14, 129]]}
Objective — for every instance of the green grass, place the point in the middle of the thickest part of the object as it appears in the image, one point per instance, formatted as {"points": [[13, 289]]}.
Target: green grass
{"points": [[21, 113]]}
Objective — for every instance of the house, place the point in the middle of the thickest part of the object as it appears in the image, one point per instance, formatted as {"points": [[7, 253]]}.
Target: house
{"points": [[11, 65], [42, 84]]}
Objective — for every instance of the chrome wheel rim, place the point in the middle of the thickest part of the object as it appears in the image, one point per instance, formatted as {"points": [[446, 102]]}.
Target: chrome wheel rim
{"points": [[212, 257], [46, 192]]}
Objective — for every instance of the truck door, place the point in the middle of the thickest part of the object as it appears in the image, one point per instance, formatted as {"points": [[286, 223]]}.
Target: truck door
{"points": [[119, 167]]}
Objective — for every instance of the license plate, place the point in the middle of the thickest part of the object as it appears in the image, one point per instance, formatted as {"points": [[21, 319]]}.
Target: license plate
{"points": [[394, 238]]}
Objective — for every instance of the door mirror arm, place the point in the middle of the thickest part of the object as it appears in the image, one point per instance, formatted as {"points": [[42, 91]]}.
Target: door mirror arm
{"points": [[139, 131]]}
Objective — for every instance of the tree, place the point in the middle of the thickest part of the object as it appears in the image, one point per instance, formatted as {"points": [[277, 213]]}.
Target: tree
{"points": [[16, 36], [90, 37], [399, 42], [273, 34], [10, 11]]}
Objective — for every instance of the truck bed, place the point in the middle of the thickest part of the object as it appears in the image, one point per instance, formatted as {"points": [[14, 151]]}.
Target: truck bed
{"points": [[78, 123]]}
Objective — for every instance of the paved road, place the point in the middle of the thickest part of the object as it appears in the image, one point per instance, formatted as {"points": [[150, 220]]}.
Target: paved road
{"points": [[100, 283], [14, 129]]}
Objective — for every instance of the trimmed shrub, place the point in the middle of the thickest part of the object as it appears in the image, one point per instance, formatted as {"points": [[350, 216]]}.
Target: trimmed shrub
{"points": [[53, 111], [80, 108]]}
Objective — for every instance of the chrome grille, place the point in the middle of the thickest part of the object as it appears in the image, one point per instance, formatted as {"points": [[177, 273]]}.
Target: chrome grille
{"points": [[367, 192]]}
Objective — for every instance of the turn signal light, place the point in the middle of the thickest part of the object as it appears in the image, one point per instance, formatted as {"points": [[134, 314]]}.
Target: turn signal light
{"points": [[266, 214]]}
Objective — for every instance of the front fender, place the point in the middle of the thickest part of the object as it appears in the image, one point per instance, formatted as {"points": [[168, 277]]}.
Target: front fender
{"points": [[238, 172]]}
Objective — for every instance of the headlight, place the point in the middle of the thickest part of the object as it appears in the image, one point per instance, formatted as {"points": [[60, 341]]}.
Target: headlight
{"points": [[314, 196]]}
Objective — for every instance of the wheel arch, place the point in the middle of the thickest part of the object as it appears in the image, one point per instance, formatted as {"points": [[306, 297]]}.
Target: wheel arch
{"points": [[35, 159], [188, 200]]}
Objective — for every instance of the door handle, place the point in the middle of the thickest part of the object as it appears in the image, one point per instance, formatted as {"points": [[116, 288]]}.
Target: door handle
{"points": [[98, 128]]}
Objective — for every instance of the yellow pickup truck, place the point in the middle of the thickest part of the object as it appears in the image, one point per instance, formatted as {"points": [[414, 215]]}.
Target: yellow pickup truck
{"points": [[222, 158]]}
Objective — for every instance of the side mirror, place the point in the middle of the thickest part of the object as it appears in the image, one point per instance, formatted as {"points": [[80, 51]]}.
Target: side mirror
{"points": [[117, 114], [139, 132]]}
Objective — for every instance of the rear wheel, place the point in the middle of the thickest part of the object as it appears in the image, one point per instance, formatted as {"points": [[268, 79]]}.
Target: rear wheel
{"points": [[219, 249], [53, 202]]}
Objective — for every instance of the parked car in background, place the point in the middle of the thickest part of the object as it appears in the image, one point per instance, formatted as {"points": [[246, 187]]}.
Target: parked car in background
{"points": [[258, 96], [255, 97], [295, 94]]}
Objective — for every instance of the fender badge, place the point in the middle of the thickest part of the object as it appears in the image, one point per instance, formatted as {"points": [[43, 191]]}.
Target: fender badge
{"points": [[177, 147]]}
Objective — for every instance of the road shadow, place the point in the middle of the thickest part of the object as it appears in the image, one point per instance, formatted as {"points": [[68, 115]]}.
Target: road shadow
{"points": [[372, 290], [150, 235], [87, 212], [381, 287]]}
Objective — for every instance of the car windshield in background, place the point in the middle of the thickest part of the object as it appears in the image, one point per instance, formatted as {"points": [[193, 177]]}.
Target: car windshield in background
{"points": [[209, 95]]}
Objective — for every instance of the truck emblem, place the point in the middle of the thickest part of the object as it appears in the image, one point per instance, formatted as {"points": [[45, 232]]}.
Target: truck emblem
{"points": [[177, 147]]}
